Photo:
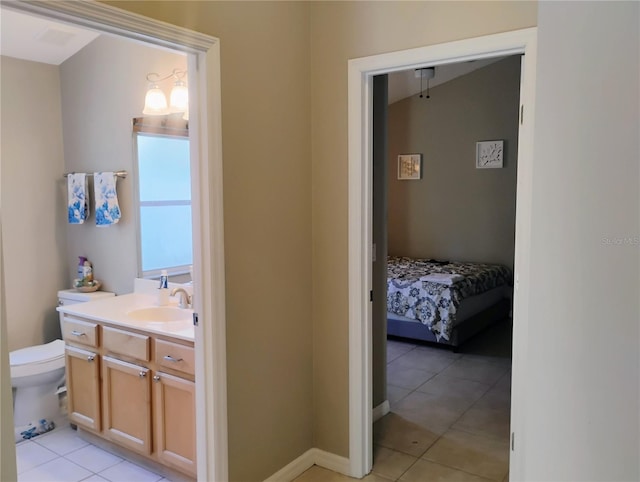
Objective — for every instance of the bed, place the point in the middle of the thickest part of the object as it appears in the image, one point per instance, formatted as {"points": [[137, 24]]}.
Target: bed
{"points": [[445, 302]]}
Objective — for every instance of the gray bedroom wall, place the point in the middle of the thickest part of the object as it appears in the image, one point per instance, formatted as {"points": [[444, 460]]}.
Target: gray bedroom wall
{"points": [[433, 217], [379, 271]]}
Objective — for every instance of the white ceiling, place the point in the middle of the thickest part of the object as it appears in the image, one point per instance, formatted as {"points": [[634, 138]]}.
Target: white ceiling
{"points": [[40, 40]]}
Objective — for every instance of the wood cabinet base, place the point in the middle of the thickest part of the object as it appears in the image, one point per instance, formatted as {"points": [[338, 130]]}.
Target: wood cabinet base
{"points": [[134, 389]]}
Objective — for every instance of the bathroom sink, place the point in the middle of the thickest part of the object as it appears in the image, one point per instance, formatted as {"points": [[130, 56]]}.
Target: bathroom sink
{"points": [[159, 313]]}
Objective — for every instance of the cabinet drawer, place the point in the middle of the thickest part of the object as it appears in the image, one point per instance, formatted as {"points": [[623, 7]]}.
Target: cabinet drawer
{"points": [[126, 343], [78, 331], [175, 356]]}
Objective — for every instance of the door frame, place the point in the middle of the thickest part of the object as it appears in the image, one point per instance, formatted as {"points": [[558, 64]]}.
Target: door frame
{"points": [[360, 104], [203, 61]]}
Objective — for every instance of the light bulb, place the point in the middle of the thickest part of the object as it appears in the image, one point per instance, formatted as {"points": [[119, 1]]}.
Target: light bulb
{"points": [[155, 102], [179, 98]]}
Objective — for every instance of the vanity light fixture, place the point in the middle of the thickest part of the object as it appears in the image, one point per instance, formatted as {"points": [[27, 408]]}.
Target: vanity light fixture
{"points": [[155, 102]]}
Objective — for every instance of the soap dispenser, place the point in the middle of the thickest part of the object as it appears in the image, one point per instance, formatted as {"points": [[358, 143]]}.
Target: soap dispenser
{"points": [[81, 261]]}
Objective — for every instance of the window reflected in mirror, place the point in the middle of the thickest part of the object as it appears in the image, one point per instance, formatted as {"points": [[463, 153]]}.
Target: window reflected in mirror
{"points": [[164, 200]]}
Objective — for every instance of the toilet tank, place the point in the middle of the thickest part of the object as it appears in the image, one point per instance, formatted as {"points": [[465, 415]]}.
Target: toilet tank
{"points": [[71, 297]]}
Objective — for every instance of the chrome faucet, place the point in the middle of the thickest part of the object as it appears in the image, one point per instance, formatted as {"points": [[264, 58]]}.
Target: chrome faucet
{"points": [[184, 300]]}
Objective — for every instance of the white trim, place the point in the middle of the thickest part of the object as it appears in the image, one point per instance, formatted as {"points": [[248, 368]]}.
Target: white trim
{"points": [[380, 411], [360, 241], [108, 19], [331, 461], [360, 78], [206, 133], [211, 358], [522, 281], [307, 460], [294, 468]]}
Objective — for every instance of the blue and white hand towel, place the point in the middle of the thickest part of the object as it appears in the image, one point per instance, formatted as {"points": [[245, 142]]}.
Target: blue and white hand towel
{"points": [[107, 208], [78, 203]]}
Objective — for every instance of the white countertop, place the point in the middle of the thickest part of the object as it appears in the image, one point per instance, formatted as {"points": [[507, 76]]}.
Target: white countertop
{"points": [[114, 310]]}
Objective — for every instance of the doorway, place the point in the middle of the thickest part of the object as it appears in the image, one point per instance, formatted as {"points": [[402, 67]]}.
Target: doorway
{"points": [[361, 73], [203, 62], [455, 218]]}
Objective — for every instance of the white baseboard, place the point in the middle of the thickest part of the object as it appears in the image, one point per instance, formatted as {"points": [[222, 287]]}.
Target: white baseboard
{"points": [[332, 461], [311, 457], [321, 458], [380, 411], [294, 468]]}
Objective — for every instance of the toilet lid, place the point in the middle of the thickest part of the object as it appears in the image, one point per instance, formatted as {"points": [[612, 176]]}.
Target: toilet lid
{"points": [[37, 354]]}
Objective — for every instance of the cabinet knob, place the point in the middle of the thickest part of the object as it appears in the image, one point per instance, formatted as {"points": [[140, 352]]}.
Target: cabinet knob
{"points": [[172, 359], [156, 378], [91, 358], [142, 374], [77, 333], [60, 303]]}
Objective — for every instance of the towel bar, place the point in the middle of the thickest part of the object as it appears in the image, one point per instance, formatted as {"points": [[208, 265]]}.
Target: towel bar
{"points": [[121, 174]]}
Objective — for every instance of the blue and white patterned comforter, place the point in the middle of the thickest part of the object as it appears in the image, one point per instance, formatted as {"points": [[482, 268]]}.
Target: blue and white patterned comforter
{"points": [[435, 304]]}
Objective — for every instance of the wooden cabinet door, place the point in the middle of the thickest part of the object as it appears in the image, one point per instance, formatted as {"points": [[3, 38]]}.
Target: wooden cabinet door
{"points": [[175, 422], [83, 387], [126, 401]]}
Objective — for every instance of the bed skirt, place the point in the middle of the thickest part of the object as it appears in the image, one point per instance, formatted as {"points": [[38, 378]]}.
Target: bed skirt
{"points": [[461, 332]]}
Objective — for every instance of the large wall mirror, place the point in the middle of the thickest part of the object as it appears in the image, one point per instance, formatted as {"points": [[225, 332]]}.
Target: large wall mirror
{"points": [[163, 196]]}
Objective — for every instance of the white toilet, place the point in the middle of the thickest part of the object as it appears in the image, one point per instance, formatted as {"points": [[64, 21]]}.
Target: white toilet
{"points": [[36, 373]]}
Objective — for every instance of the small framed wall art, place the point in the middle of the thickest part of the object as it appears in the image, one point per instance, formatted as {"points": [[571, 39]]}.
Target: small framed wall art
{"points": [[409, 166], [489, 154]]}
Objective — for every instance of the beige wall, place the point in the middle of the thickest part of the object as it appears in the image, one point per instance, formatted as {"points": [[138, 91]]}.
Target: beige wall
{"points": [[278, 274], [275, 393], [267, 196], [457, 212], [274, 37], [33, 229], [341, 31], [98, 104]]}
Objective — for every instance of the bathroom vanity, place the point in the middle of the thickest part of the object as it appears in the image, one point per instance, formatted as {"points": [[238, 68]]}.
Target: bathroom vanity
{"points": [[130, 369]]}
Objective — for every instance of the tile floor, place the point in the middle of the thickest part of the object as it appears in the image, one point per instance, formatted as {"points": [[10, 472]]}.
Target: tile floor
{"points": [[449, 417], [61, 455]]}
